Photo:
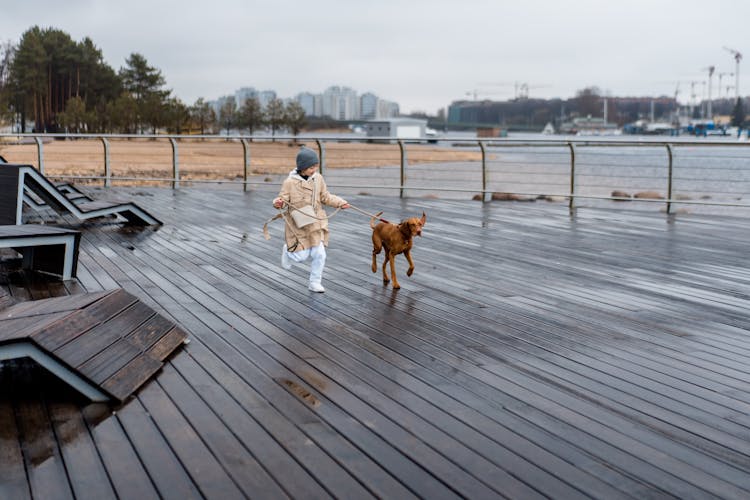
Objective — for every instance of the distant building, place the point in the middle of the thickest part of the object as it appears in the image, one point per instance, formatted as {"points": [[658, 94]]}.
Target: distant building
{"points": [[340, 103], [588, 126], [337, 102], [266, 96], [218, 103], [243, 94], [386, 109], [307, 101], [399, 128], [368, 106]]}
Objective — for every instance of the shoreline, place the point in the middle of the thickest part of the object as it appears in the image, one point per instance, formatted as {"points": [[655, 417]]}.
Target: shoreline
{"points": [[217, 158]]}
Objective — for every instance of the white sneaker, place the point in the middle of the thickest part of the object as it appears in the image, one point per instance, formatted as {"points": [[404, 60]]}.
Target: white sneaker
{"points": [[285, 262], [316, 287]]}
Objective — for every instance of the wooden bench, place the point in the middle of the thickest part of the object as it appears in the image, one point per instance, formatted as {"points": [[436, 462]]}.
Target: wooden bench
{"points": [[17, 181], [44, 248], [105, 344]]}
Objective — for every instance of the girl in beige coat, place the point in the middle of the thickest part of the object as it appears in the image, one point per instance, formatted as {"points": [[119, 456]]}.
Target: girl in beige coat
{"points": [[306, 187]]}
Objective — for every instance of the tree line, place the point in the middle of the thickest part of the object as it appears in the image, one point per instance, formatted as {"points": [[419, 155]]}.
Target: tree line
{"points": [[61, 85], [590, 101]]}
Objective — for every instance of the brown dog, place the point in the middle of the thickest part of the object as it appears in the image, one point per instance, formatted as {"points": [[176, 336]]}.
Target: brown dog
{"points": [[395, 239]]}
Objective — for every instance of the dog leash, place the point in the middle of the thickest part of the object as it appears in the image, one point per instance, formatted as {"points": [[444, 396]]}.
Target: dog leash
{"points": [[283, 213], [372, 216]]}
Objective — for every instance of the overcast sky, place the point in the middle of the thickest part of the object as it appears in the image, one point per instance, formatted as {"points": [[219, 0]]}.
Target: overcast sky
{"points": [[423, 54]]}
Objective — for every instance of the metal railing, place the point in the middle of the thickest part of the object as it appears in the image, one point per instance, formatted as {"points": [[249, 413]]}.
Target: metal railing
{"points": [[534, 152]]}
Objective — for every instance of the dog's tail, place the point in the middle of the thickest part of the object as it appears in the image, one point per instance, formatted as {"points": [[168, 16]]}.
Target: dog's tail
{"points": [[373, 218]]}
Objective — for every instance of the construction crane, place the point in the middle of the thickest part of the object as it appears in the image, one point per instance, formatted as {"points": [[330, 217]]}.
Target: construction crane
{"points": [[477, 92], [720, 75], [522, 89], [737, 59], [711, 70], [693, 97]]}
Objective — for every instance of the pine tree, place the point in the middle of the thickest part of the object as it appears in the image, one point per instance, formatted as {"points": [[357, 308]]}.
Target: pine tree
{"points": [[251, 115], [145, 84], [738, 114]]}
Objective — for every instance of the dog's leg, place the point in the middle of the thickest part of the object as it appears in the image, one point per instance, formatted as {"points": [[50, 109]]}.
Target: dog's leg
{"points": [[377, 245], [392, 260], [407, 254], [386, 279]]}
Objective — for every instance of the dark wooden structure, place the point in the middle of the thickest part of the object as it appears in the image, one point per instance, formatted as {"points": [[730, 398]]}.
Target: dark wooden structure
{"points": [[23, 184], [44, 248], [532, 354], [105, 344]]}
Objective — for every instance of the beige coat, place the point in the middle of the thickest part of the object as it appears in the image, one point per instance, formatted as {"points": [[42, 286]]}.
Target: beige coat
{"points": [[300, 192]]}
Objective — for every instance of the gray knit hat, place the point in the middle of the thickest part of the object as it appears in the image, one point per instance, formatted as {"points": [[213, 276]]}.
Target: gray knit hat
{"points": [[306, 158]]}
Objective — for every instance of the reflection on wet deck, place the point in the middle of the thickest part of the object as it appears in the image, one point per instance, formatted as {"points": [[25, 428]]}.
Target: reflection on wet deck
{"points": [[531, 354]]}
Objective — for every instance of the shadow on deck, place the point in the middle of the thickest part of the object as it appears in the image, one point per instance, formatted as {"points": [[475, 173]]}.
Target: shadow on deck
{"points": [[532, 354]]}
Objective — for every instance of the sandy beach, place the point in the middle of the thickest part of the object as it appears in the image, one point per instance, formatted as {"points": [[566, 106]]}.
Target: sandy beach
{"points": [[212, 159]]}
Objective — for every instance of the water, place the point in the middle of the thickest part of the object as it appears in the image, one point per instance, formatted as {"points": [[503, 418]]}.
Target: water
{"points": [[715, 174]]}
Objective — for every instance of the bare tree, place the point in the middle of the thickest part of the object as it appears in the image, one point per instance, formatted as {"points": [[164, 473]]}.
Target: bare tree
{"points": [[228, 114], [295, 117], [275, 115], [202, 115], [251, 115]]}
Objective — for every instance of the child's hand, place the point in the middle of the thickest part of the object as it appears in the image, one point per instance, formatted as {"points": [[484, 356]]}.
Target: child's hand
{"points": [[278, 203]]}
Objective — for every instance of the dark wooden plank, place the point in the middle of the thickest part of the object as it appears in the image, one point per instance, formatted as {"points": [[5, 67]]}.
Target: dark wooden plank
{"points": [[111, 305], [20, 328], [126, 472], [165, 470], [458, 480], [270, 445], [167, 343], [53, 305], [243, 468], [44, 465], [150, 332], [86, 474], [202, 465], [130, 377], [71, 326], [13, 481], [92, 342], [369, 473], [109, 361], [605, 350]]}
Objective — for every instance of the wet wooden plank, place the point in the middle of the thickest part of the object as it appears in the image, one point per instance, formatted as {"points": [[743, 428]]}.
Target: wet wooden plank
{"points": [[94, 341], [124, 469], [150, 332], [86, 473], [13, 481], [165, 470], [131, 376], [604, 354], [174, 338], [202, 464], [45, 467], [71, 326]]}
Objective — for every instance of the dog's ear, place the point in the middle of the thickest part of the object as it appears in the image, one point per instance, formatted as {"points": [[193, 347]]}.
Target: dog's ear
{"points": [[423, 219]]}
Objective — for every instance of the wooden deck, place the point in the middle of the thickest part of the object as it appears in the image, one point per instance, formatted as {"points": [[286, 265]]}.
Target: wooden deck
{"points": [[532, 354]]}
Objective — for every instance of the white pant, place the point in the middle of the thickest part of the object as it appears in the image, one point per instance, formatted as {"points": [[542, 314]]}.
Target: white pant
{"points": [[318, 256]]}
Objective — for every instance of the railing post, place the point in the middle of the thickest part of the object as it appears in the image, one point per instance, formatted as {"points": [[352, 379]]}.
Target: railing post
{"points": [[669, 179], [321, 155], [484, 171], [40, 153], [175, 165], [571, 199], [403, 168], [246, 163], [107, 166]]}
